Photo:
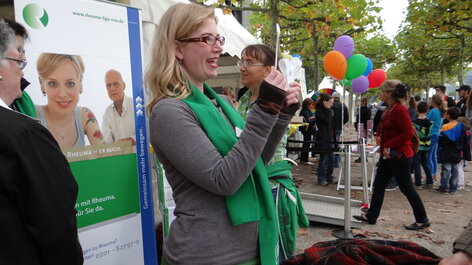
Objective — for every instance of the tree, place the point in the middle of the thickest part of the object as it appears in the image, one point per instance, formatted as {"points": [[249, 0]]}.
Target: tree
{"points": [[446, 28]]}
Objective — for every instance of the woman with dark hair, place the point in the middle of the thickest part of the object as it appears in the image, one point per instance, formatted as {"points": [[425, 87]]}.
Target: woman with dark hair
{"points": [[255, 64], [412, 108], [307, 131], [395, 131], [324, 121], [436, 115]]}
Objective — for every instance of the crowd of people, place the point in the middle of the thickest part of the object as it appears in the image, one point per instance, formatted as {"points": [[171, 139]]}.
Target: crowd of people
{"points": [[225, 158]]}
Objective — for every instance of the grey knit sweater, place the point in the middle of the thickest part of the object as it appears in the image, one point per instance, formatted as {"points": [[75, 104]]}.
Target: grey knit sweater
{"points": [[201, 178]]}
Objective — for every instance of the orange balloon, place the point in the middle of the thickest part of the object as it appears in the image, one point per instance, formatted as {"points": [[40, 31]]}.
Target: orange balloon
{"points": [[335, 64]]}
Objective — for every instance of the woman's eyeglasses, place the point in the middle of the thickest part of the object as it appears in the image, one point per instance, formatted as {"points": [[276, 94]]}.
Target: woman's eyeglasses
{"points": [[210, 40], [21, 63], [240, 63]]}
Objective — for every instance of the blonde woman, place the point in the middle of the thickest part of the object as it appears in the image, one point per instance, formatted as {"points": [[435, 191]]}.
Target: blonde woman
{"points": [[214, 161], [60, 77]]}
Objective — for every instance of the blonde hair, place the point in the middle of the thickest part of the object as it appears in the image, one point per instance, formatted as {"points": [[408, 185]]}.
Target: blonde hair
{"points": [[164, 76], [49, 62]]}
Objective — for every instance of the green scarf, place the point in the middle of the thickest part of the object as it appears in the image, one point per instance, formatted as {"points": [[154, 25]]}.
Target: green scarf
{"points": [[25, 105], [253, 201]]}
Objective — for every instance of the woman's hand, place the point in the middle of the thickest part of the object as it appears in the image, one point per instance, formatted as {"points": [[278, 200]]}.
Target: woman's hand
{"points": [[293, 94], [277, 79]]}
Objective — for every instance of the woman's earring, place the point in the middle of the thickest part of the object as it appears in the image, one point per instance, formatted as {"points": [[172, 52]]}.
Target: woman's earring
{"points": [[181, 62], [44, 94]]}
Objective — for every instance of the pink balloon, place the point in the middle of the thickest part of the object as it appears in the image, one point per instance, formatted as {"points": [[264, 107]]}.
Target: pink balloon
{"points": [[344, 45], [360, 84], [376, 78]]}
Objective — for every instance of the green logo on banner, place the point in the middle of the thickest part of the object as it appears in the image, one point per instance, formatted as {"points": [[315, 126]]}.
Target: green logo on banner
{"points": [[35, 16]]}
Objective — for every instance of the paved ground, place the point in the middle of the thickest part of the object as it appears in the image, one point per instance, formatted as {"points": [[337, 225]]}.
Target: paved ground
{"points": [[448, 214]]}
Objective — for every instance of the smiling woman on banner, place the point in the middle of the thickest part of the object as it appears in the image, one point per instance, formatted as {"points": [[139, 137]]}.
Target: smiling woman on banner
{"points": [[60, 76], [214, 161]]}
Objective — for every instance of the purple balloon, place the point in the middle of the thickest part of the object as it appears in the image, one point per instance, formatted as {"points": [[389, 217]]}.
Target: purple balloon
{"points": [[360, 84], [344, 45]]}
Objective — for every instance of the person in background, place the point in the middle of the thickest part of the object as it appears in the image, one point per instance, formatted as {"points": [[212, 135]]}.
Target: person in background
{"points": [[435, 115], [464, 91], [364, 114], [462, 249], [412, 108], [213, 159], [229, 92], [461, 177], [118, 119], [308, 130], [38, 191], [441, 91], [395, 132], [255, 64], [341, 117], [454, 145], [417, 99], [24, 104], [468, 107], [423, 127], [60, 77], [325, 135]]}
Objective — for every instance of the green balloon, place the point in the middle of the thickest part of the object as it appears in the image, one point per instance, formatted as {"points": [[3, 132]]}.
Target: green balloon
{"points": [[356, 66], [346, 82]]}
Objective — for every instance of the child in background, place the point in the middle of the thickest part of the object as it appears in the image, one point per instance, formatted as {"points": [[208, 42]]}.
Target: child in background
{"points": [[422, 126], [453, 147], [461, 182]]}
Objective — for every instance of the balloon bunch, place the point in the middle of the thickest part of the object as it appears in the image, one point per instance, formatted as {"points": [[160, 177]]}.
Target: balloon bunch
{"points": [[354, 70]]}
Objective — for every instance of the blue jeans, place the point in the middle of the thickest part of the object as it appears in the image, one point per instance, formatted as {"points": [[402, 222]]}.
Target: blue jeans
{"points": [[421, 159], [449, 176], [400, 168], [325, 167], [433, 154]]}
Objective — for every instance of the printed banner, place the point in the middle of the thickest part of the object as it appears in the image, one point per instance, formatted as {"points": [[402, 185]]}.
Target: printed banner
{"points": [[85, 69]]}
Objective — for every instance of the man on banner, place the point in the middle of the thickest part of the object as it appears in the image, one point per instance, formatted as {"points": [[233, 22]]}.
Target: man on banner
{"points": [[118, 120]]}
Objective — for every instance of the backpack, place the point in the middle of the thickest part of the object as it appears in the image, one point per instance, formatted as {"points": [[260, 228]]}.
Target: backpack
{"points": [[423, 135]]}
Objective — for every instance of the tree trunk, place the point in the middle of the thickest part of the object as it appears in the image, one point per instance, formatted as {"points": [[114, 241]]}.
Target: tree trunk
{"points": [[316, 62], [443, 75], [460, 69], [274, 14]]}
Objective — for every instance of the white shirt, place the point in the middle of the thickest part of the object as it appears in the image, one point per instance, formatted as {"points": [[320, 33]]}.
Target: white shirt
{"points": [[116, 127]]}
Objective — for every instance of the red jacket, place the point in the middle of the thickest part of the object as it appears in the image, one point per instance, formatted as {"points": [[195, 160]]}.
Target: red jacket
{"points": [[396, 130]]}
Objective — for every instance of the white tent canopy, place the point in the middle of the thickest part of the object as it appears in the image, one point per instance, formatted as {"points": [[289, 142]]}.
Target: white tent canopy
{"points": [[237, 37]]}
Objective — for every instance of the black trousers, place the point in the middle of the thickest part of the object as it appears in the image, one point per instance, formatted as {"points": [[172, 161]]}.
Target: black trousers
{"points": [[306, 138], [400, 168]]}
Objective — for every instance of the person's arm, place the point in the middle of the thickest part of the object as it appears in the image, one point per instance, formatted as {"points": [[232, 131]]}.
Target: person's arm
{"points": [[289, 108], [91, 127], [106, 127], [462, 249], [186, 146], [47, 193]]}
